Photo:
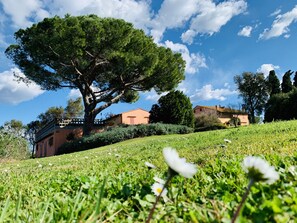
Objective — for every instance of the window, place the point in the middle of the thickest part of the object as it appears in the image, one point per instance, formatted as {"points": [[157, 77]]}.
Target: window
{"points": [[51, 141], [132, 119]]}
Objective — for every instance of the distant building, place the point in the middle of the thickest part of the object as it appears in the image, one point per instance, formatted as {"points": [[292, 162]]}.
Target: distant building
{"points": [[133, 117], [57, 132], [224, 114]]}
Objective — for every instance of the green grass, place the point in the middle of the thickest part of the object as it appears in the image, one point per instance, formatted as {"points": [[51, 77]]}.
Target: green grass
{"points": [[112, 184]]}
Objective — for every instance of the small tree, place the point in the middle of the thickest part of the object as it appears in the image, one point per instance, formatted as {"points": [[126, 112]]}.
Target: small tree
{"points": [[74, 108], [254, 92], [15, 127], [31, 130], [287, 85], [52, 113], [273, 83], [173, 108]]}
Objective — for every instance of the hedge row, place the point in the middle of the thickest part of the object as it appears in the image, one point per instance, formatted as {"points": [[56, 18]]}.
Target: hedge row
{"points": [[212, 127], [119, 134]]}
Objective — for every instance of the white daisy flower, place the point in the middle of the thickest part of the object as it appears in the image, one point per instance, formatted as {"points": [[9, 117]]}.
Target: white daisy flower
{"points": [[159, 180], [293, 170], [150, 165], [39, 165], [177, 164], [157, 189], [259, 170], [227, 140]]}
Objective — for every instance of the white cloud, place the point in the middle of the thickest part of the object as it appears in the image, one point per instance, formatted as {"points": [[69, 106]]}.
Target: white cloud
{"points": [[212, 17], [208, 93], [23, 12], [276, 12], [172, 14], [280, 25], [266, 68], [194, 61], [74, 93], [136, 12], [246, 31], [20, 11], [152, 95], [13, 92]]}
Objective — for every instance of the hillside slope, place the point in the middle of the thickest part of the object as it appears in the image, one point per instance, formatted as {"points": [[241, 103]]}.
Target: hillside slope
{"points": [[67, 188]]}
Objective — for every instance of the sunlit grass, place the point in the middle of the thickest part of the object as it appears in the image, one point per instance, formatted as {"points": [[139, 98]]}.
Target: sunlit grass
{"points": [[67, 188]]}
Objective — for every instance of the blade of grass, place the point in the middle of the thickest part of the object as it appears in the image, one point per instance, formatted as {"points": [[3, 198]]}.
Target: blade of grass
{"points": [[101, 192], [5, 209]]}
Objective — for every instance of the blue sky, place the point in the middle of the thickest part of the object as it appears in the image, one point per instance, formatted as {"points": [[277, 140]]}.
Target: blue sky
{"points": [[217, 39]]}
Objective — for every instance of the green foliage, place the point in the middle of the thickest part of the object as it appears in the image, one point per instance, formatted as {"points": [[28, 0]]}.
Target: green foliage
{"points": [[287, 85], [173, 108], [74, 108], [234, 121], [273, 83], [107, 59], [295, 80], [51, 113], [119, 134], [112, 184], [254, 92], [208, 121], [282, 106], [13, 146], [15, 127]]}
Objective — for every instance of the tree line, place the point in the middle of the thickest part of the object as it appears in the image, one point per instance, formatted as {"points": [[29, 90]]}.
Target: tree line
{"points": [[278, 100]]}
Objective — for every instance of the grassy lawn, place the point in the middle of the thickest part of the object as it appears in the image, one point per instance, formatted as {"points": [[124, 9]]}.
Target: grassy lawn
{"points": [[69, 188]]}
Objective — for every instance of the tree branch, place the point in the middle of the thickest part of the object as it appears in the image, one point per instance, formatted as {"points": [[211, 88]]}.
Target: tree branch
{"points": [[107, 104]]}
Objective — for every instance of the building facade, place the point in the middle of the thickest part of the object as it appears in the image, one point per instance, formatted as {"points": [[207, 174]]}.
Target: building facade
{"points": [[133, 117], [55, 133], [224, 114]]}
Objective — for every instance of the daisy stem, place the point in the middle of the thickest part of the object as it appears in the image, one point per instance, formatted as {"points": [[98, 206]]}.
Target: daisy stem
{"points": [[157, 200], [243, 200]]}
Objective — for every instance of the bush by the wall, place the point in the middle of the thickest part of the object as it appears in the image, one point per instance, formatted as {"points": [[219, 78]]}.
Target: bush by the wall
{"points": [[212, 127], [119, 134], [208, 121], [13, 147]]}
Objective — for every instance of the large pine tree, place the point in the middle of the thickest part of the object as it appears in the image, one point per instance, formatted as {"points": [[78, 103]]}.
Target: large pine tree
{"points": [[106, 59]]}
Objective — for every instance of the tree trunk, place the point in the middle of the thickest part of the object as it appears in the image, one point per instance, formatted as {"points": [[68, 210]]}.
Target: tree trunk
{"points": [[253, 119], [89, 118], [33, 150]]}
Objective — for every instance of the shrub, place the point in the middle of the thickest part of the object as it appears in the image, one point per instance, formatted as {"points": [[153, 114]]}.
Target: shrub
{"points": [[208, 121], [13, 147], [119, 134], [209, 128], [234, 121]]}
